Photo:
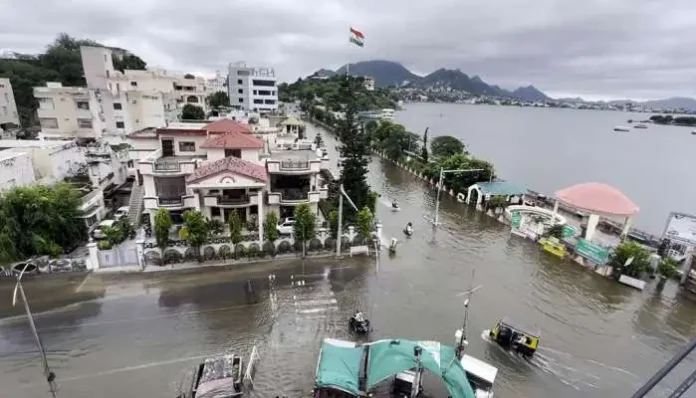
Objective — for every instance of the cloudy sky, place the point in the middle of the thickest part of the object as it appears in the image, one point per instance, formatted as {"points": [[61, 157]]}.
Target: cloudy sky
{"points": [[604, 49]]}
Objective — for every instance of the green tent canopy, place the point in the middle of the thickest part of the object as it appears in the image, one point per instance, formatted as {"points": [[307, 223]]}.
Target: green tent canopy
{"points": [[339, 366], [387, 358]]}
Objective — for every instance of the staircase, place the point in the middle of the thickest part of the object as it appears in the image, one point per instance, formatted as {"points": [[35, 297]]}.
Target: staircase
{"points": [[135, 205]]}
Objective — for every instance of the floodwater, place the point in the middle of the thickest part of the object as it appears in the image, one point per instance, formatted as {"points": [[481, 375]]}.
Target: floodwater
{"points": [[134, 335], [547, 149]]}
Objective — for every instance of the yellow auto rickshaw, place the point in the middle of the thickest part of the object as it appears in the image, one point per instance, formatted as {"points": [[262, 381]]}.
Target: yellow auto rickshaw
{"points": [[515, 337]]}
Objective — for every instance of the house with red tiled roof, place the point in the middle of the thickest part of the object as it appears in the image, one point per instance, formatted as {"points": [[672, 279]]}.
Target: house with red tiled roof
{"points": [[221, 168]]}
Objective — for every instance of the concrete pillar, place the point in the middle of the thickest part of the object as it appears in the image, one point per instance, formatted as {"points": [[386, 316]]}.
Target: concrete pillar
{"points": [[93, 263], [555, 211], [378, 228], [626, 227], [591, 226], [260, 216], [140, 251]]}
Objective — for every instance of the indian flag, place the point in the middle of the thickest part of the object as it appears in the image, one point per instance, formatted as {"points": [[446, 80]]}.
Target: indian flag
{"points": [[357, 37]]}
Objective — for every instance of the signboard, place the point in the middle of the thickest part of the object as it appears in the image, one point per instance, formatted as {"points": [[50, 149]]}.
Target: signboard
{"points": [[568, 231], [681, 227], [516, 218], [592, 251]]}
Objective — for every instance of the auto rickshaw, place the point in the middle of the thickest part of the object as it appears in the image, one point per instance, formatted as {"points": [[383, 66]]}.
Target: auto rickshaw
{"points": [[516, 338]]}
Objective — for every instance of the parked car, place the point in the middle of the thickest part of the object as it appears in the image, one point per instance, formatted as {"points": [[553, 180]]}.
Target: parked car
{"points": [[121, 213], [285, 226], [98, 232]]}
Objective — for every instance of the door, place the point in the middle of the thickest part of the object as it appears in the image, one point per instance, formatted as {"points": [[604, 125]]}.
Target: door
{"points": [[168, 147]]}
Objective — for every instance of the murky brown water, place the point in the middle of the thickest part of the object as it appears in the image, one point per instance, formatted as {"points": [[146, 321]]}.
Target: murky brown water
{"points": [[133, 335]]}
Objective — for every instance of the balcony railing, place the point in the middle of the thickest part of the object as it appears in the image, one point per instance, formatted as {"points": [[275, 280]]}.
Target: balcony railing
{"points": [[168, 166], [294, 165], [171, 201], [233, 200]]}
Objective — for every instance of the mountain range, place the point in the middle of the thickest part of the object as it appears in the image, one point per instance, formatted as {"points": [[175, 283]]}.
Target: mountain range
{"points": [[393, 74]]}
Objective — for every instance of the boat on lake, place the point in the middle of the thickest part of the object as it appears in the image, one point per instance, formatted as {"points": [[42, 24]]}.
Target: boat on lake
{"points": [[621, 128], [640, 126]]}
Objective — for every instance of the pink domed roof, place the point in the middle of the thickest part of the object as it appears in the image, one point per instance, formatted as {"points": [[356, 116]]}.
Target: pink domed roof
{"points": [[597, 198]]}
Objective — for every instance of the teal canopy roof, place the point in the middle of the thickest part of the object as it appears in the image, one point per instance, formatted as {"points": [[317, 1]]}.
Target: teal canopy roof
{"points": [[339, 367], [387, 358], [500, 188]]}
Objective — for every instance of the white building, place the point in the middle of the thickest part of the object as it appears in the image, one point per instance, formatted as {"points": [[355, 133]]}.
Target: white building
{"points": [[69, 111], [222, 167], [16, 170], [252, 88], [218, 83], [52, 161], [369, 83], [8, 106]]}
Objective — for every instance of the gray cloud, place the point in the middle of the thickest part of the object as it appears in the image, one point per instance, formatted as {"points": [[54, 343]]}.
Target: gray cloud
{"points": [[612, 48]]}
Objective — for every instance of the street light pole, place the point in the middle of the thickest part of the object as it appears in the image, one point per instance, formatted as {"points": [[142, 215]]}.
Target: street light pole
{"points": [[50, 376], [340, 219], [439, 188]]}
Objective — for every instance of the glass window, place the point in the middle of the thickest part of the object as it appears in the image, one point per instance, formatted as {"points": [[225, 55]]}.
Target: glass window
{"points": [[187, 146], [118, 106], [120, 125]]}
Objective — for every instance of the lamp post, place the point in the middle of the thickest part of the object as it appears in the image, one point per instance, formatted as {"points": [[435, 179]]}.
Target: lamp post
{"points": [[439, 188], [340, 219], [50, 376]]}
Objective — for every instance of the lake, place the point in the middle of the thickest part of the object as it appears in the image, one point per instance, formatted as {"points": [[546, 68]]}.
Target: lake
{"points": [[547, 149]]}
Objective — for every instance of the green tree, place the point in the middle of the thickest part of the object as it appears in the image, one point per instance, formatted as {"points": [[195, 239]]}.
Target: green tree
{"points": [[668, 268], [304, 228], [235, 225], [38, 219], [364, 223], [192, 112], [195, 230], [424, 149], [218, 99], [333, 223], [445, 146], [163, 224], [128, 61], [355, 152], [270, 228], [625, 251], [114, 235], [215, 226]]}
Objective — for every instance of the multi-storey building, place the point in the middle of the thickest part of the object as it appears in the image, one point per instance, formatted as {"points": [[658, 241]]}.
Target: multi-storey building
{"points": [[222, 167], [252, 88], [218, 83], [8, 106]]}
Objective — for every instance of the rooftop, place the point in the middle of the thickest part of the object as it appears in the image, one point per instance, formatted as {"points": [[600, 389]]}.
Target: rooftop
{"points": [[299, 154], [597, 198], [233, 140], [229, 164], [227, 126], [4, 144]]}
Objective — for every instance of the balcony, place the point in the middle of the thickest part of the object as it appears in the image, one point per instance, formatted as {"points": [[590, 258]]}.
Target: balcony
{"points": [[293, 166], [155, 163], [183, 202], [231, 201], [292, 197]]}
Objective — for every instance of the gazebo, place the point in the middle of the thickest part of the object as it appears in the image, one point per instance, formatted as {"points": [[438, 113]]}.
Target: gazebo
{"points": [[599, 200], [292, 125]]}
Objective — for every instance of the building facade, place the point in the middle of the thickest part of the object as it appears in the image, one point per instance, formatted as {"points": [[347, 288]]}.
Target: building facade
{"points": [[223, 167], [16, 170], [218, 83], [252, 88], [8, 106]]}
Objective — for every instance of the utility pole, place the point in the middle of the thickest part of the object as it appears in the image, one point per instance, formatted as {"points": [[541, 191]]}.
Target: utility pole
{"points": [[439, 188], [340, 219], [50, 376]]}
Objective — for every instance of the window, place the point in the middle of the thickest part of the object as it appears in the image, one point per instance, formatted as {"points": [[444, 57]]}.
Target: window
{"points": [[187, 146], [83, 105], [7, 98], [264, 92], [4, 110], [107, 76], [215, 211], [134, 84], [269, 102], [240, 91], [243, 73], [84, 123], [233, 153], [105, 58], [273, 92], [239, 81], [258, 101], [135, 102], [118, 106], [256, 92], [118, 86], [241, 100], [120, 125], [265, 83], [48, 122]]}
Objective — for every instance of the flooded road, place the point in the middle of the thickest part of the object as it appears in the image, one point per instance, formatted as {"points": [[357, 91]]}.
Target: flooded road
{"points": [[133, 335]]}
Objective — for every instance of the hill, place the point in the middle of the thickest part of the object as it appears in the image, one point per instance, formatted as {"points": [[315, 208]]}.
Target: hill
{"points": [[388, 73], [385, 73]]}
